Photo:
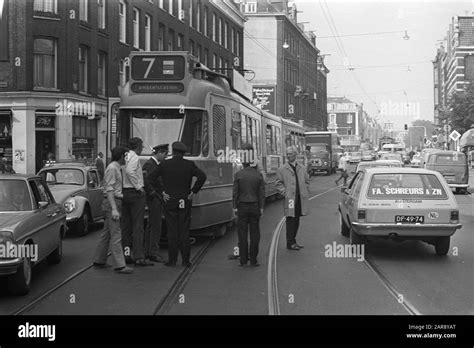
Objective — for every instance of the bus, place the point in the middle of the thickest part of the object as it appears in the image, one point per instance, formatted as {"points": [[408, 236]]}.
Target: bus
{"points": [[170, 97]]}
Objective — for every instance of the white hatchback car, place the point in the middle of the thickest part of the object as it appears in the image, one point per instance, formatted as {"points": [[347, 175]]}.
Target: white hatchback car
{"points": [[399, 204]]}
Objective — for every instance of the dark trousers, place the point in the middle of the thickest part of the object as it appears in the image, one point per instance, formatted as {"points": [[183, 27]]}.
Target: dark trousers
{"points": [[292, 224], [344, 176], [153, 230], [133, 213], [177, 222], [248, 215]]}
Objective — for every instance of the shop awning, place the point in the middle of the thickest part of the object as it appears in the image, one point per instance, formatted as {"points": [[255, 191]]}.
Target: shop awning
{"points": [[5, 112]]}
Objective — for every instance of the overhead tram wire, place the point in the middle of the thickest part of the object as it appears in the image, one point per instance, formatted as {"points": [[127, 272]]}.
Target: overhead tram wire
{"points": [[340, 46]]}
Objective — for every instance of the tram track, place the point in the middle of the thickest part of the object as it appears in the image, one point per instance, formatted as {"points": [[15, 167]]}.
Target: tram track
{"points": [[164, 306], [272, 274]]}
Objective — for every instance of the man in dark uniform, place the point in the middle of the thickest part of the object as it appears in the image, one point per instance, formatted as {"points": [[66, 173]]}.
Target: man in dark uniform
{"points": [[177, 174], [155, 204], [248, 198]]}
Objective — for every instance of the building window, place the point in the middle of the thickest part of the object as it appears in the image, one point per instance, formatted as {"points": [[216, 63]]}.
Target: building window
{"points": [[180, 10], [83, 68], [101, 14], [161, 37], [250, 7], [50, 6], [237, 44], [199, 52], [232, 40], [83, 10], [191, 14], [122, 75], [191, 47], [101, 71], [45, 63], [136, 28], [147, 33], [170, 40], [84, 137], [205, 20], [226, 31], [221, 65], [206, 57], [170, 7], [160, 4], [214, 27], [349, 118], [198, 16], [214, 62], [180, 42], [468, 68], [332, 118], [122, 21], [221, 31]]}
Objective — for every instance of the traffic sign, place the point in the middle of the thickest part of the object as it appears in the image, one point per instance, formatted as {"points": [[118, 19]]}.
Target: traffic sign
{"points": [[455, 135]]}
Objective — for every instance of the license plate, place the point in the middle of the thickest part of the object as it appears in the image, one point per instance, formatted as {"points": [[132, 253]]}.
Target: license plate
{"points": [[409, 219]]}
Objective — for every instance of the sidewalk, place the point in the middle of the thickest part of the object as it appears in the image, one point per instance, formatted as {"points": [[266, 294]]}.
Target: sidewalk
{"points": [[471, 180]]}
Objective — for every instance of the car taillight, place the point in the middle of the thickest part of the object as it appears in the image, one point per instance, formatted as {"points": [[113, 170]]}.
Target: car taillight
{"points": [[361, 214], [454, 216]]}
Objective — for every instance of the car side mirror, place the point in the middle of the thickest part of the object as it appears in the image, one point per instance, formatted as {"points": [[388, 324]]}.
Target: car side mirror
{"points": [[42, 204], [91, 183]]}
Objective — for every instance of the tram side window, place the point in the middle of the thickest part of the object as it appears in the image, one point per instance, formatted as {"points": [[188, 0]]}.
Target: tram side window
{"points": [[192, 133], [235, 131], [219, 128], [273, 140], [288, 138], [268, 136], [244, 128], [254, 135], [278, 140], [205, 134]]}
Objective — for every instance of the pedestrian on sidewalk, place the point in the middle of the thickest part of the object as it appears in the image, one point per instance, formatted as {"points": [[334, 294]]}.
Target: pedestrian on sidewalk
{"points": [[293, 183], [111, 236], [177, 175], [155, 204], [99, 163], [134, 206], [343, 169], [248, 200]]}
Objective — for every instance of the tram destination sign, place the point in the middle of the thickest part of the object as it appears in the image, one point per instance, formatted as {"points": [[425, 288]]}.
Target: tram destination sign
{"points": [[157, 68], [157, 87]]}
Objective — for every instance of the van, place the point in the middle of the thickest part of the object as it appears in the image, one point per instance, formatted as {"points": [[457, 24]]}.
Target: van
{"points": [[453, 166]]}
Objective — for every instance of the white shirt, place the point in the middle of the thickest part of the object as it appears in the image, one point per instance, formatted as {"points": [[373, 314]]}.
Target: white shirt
{"points": [[133, 172]]}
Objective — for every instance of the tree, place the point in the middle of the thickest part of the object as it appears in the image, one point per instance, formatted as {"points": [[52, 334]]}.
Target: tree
{"points": [[416, 133], [460, 109]]}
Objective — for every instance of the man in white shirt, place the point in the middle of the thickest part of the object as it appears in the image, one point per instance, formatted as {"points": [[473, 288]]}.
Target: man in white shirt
{"points": [[133, 206], [343, 169]]}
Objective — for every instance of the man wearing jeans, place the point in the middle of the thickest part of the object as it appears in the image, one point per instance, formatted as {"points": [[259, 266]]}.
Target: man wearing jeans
{"points": [[134, 206], [112, 206], [248, 198]]}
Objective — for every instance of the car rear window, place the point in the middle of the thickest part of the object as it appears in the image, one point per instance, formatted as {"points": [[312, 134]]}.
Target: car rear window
{"points": [[14, 196], [55, 176], [448, 159], [405, 186]]}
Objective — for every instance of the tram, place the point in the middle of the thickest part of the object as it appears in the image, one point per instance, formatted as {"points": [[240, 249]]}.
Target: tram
{"points": [[172, 97]]}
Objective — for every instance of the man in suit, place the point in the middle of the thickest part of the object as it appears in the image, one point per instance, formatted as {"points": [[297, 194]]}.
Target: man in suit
{"points": [[177, 174], [154, 202], [293, 183], [99, 163], [248, 199]]}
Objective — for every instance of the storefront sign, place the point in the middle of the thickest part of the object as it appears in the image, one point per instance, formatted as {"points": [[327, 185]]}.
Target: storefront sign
{"points": [[44, 122], [3, 30], [80, 141], [264, 98]]}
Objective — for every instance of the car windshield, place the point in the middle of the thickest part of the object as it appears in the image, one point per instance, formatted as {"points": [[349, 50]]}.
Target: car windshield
{"points": [[389, 156], [66, 176], [317, 148], [405, 186], [14, 196]]}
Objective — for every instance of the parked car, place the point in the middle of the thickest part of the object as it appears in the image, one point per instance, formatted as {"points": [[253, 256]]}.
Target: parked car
{"points": [[453, 166], [32, 221], [368, 155], [354, 157], [77, 186], [399, 204], [378, 163]]}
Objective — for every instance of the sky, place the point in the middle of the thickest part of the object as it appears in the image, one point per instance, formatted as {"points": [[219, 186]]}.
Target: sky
{"points": [[391, 76]]}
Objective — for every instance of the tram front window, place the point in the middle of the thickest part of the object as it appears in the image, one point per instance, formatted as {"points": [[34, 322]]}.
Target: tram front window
{"points": [[163, 126]]}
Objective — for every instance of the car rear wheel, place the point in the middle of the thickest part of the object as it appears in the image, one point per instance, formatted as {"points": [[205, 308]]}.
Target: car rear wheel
{"points": [[82, 226], [355, 238], [20, 282], [442, 245], [344, 228], [56, 256]]}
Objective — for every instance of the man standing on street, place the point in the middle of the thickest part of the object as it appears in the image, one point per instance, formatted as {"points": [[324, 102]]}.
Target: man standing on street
{"points": [[112, 206], [99, 163], [248, 199], [293, 183], [154, 201], [177, 174], [133, 206], [343, 169]]}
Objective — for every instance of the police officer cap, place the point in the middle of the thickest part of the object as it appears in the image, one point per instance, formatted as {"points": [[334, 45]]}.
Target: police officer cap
{"points": [[161, 147], [247, 146], [178, 146]]}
